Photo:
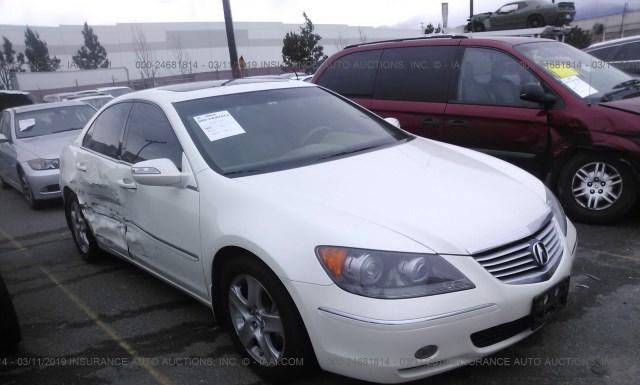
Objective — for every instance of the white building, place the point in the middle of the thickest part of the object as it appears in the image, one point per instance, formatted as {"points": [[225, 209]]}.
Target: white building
{"points": [[196, 47]]}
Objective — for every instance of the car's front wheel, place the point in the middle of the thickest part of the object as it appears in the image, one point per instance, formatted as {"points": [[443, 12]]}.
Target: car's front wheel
{"points": [[27, 192], [263, 321], [596, 188], [535, 21], [82, 235]]}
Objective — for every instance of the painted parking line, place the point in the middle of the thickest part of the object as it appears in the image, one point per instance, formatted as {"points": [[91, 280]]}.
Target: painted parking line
{"points": [[160, 377]]}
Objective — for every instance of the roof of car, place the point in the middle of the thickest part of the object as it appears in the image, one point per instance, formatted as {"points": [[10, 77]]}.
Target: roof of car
{"points": [[454, 38], [13, 92], [46, 106], [91, 97], [607, 43], [112, 88], [204, 89]]}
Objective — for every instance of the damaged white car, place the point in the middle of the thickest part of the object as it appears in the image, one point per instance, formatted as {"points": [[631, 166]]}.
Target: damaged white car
{"points": [[317, 231]]}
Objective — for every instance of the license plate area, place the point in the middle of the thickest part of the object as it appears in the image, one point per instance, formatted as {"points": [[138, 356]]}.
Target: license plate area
{"points": [[547, 303]]}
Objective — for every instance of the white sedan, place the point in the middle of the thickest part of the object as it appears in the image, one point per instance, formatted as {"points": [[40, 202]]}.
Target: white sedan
{"points": [[318, 231]]}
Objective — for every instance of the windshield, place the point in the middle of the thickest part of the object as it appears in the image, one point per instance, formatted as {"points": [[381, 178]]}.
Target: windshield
{"points": [[586, 76], [52, 120], [272, 130]]}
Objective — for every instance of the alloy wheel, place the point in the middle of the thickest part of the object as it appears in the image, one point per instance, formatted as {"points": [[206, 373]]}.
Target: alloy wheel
{"points": [[597, 186], [79, 226], [256, 320], [26, 189]]}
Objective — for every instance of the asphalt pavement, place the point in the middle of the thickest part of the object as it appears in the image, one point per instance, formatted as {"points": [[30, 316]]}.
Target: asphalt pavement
{"points": [[111, 323]]}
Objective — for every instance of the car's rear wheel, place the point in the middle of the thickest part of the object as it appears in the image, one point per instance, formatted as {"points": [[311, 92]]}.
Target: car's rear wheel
{"points": [[10, 334], [263, 321], [82, 235], [596, 188], [535, 21], [27, 192]]}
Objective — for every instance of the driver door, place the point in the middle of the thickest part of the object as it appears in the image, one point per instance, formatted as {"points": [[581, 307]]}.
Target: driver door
{"points": [[163, 232]]}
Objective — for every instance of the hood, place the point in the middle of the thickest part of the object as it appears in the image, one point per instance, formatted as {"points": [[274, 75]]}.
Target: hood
{"points": [[46, 146], [451, 200], [631, 105]]}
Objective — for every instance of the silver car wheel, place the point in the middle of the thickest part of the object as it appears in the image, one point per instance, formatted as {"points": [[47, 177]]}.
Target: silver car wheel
{"points": [[79, 226], [26, 188], [256, 320], [597, 186]]}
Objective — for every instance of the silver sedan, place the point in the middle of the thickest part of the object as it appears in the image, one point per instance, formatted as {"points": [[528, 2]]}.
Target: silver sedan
{"points": [[31, 140]]}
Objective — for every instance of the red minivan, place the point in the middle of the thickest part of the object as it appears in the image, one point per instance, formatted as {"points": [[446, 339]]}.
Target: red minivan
{"points": [[558, 112]]}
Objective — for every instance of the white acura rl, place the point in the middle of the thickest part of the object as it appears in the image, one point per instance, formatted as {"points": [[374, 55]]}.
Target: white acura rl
{"points": [[317, 231]]}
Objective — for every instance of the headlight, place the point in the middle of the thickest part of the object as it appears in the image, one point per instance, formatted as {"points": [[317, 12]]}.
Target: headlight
{"points": [[388, 274], [44, 164], [557, 211]]}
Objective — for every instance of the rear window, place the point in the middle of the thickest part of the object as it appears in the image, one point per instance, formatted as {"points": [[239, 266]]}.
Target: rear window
{"points": [[353, 74]]}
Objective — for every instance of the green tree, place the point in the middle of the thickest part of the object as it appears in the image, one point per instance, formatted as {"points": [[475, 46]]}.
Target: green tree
{"points": [[598, 31], [578, 38], [9, 62], [429, 29], [37, 53], [92, 54], [302, 49]]}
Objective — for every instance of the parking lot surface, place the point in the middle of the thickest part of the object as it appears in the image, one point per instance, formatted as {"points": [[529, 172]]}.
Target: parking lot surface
{"points": [[111, 323]]}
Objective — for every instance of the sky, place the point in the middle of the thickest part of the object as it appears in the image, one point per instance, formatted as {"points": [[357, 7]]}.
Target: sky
{"points": [[402, 13]]}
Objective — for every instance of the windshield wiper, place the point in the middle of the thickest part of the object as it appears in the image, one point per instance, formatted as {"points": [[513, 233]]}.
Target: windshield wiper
{"points": [[348, 152], [620, 88], [240, 172], [68, 129], [627, 84]]}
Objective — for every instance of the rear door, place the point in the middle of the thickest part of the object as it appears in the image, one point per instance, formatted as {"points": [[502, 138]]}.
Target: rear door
{"points": [[485, 111], [103, 177], [162, 222], [8, 162]]}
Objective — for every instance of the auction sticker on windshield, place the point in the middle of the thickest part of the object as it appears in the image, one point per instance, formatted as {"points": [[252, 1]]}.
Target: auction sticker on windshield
{"points": [[26, 124], [219, 125], [579, 86]]}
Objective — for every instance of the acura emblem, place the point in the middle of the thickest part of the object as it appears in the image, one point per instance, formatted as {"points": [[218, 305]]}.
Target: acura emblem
{"points": [[539, 252]]}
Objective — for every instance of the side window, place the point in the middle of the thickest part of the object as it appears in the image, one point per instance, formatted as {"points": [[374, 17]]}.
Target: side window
{"points": [[415, 73], [150, 136], [106, 131], [490, 77], [508, 9], [352, 75]]}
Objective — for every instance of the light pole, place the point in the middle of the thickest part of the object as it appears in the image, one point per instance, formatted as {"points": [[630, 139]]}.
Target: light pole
{"points": [[470, 9], [231, 39]]}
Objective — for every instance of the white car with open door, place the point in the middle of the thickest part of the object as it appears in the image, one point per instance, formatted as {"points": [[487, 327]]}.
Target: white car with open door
{"points": [[317, 230]]}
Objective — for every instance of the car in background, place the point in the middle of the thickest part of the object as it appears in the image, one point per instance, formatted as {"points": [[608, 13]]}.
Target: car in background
{"points": [[523, 14], [623, 53], [59, 97], [115, 91], [540, 104], [31, 140], [10, 334], [82, 94], [96, 101], [10, 99], [316, 230]]}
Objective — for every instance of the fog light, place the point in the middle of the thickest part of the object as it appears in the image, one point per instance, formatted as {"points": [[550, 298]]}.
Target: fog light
{"points": [[426, 352]]}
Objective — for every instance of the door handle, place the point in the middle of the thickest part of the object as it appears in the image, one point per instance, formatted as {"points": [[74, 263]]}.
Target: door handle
{"points": [[430, 122], [80, 166], [127, 184], [458, 123]]}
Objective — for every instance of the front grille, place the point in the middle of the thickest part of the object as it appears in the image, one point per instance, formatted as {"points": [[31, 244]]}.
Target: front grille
{"points": [[491, 336], [514, 263]]}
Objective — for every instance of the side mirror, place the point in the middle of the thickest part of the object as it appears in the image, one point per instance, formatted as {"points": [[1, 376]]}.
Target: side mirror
{"points": [[393, 121], [3, 138], [533, 92], [156, 172]]}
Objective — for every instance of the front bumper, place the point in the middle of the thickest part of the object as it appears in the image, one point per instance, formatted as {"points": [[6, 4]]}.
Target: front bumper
{"points": [[376, 340], [45, 184]]}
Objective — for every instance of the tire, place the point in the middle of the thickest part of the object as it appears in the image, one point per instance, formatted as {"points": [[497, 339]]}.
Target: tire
{"points": [[4, 185], [10, 334], [478, 27], [27, 192], [81, 231], [292, 345], [535, 21], [595, 188]]}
